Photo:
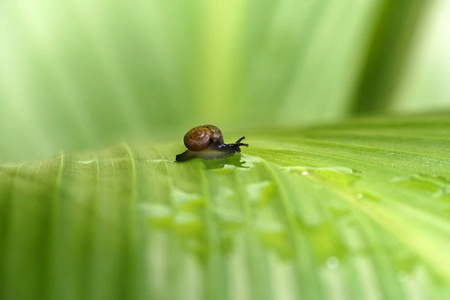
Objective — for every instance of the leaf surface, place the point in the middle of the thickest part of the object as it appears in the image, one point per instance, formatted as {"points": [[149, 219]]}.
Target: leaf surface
{"points": [[356, 210]]}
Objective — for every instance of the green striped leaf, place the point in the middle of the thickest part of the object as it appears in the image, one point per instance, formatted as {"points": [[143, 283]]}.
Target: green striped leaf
{"points": [[356, 210]]}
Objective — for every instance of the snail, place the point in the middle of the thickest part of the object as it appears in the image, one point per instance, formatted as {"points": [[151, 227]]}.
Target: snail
{"points": [[206, 142]]}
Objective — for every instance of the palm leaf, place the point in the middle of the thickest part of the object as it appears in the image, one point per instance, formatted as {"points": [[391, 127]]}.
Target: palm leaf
{"points": [[353, 210]]}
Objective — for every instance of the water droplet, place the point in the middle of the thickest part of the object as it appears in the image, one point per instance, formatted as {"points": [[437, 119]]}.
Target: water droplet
{"points": [[86, 162], [188, 224], [155, 210], [437, 186], [367, 196], [260, 192], [184, 218], [157, 214], [158, 160], [339, 175], [228, 216], [339, 210], [226, 165], [249, 161], [332, 262], [274, 236], [185, 200], [325, 241], [271, 227]]}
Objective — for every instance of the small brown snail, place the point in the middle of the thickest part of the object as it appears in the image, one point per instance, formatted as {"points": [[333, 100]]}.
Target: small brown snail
{"points": [[206, 142]]}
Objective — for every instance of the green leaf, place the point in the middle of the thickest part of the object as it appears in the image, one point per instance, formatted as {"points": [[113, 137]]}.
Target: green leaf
{"points": [[356, 210]]}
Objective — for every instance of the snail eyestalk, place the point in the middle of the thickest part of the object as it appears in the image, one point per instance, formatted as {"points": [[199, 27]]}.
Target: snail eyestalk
{"points": [[206, 142], [238, 142]]}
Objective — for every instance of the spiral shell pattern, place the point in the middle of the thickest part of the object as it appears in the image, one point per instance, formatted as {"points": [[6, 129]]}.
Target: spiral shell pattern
{"points": [[198, 138]]}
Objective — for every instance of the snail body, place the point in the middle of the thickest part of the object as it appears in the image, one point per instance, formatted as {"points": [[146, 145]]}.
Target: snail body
{"points": [[207, 142]]}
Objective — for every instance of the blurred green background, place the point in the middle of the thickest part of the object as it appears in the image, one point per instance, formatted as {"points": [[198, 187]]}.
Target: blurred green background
{"points": [[78, 75], [356, 209]]}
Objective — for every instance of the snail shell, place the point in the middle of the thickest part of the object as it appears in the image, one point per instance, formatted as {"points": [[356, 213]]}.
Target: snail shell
{"points": [[201, 137]]}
